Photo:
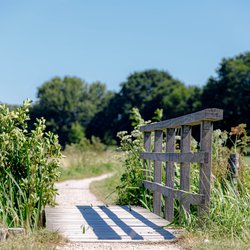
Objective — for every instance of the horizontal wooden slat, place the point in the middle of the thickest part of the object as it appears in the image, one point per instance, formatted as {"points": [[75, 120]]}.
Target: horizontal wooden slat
{"points": [[191, 198], [199, 157], [190, 119]]}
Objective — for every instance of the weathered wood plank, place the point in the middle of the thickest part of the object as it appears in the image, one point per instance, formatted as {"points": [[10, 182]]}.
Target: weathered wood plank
{"points": [[199, 157], [157, 172], [147, 147], [206, 168], [169, 200], [190, 119], [105, 224], [132, 223], [195, 199], [185, 167]]}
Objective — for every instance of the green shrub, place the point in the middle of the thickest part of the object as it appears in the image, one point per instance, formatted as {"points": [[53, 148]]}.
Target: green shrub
{"points": [[28, 167], [84, 144], [76, 133], [130, 191]]}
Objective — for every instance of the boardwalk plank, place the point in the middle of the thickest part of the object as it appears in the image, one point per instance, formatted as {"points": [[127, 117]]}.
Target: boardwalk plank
{"points": [[115, 223]]}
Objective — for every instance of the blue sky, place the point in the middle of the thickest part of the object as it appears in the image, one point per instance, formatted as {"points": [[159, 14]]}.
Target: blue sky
{"points": [[107, 40]]}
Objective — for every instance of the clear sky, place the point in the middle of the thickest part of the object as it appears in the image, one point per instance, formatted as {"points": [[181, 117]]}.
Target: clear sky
{"points": [[106, 40]]}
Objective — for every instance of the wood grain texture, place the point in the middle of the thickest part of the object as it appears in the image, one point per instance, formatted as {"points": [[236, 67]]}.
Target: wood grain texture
{"points": [[205, 168], [191, 198], [199, 157], [190, 119], [101, 223], [157, 172], [169, 200], [147, 147], [185, 167], [205, 118]]}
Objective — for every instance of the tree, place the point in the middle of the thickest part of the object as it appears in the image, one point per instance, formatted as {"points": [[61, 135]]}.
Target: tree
{"points": [[67, 102], [147, 91], [230, 90]]}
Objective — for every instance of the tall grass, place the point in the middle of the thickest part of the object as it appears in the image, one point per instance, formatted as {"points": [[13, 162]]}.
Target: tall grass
{"points": [[16, 209], [229, 215], [229, 212]]}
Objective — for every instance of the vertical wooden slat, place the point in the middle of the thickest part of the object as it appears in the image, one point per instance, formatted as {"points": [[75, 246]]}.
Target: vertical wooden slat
{"points": [[157, 172], [147, 147], [169, 201], [205, 168], [185, 167], [234, 165]]}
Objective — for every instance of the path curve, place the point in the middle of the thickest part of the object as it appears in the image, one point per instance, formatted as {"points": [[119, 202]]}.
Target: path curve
{"points": [[75, 192]]}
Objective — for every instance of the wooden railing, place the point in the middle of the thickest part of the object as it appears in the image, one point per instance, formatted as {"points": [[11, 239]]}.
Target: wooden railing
{"points": [[204, 119]]}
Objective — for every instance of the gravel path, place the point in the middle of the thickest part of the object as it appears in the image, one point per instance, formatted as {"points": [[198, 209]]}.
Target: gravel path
{"points": [[75, 192], [71, 193]]}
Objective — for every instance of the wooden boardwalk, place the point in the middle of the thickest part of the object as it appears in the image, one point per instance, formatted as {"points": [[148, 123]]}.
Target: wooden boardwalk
{"points": [[107, 223]]}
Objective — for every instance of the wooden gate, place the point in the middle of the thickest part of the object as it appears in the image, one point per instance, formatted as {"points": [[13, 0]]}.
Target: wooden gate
{"points": [[185, 157]]}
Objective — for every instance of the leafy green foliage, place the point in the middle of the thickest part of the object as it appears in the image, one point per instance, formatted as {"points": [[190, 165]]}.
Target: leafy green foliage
{"points": [[130, 191], [28, 166], [230, 90], [69, 103], [147, 91], [76, 133]]}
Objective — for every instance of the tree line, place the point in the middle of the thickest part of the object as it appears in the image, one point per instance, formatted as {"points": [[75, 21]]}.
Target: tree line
{"points": [[74, 108]]}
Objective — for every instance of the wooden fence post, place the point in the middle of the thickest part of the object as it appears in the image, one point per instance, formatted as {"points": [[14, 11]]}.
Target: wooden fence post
{"points": [[169, 200], [233, 169], [157, 172], [185, 167], [147, 147], [206, 167]]}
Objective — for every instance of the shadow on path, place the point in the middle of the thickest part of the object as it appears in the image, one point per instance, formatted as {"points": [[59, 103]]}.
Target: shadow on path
{"points": [[163, 232], [105, 232]]}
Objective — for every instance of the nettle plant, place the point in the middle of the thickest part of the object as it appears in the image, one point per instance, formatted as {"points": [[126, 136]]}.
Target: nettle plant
{"points": [[29, 162]]}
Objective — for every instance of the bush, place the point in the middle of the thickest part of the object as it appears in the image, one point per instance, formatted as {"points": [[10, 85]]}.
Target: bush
{"points": [[28, 167], [130, 191]]}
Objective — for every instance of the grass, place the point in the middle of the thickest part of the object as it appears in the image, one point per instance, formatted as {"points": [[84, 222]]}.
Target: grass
{"points": [[77, 164], [228, 224], [105, 190], [247, 160], [39, 240], [203, 241]]}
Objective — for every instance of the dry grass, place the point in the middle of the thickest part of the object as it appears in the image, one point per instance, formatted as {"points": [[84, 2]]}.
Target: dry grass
{"points": [[202, 241], [39, 240]]}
